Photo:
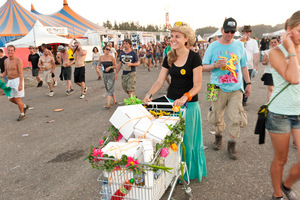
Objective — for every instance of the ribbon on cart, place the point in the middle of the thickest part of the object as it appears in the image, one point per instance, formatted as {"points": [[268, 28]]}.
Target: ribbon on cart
{"points": [[147, 115], [168, 118]]}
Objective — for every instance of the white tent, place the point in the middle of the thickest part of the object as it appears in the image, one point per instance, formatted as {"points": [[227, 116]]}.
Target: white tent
{"points": [[219, 33], [199, 38], [276, 33], [37, 36]]}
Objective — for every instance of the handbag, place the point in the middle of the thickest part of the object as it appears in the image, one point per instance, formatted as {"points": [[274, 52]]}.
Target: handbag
{"points": [[260, 128], [212, 92]]}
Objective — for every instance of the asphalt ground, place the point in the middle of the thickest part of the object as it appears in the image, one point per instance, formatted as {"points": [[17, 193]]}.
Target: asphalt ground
{"points": [[44, 161]]}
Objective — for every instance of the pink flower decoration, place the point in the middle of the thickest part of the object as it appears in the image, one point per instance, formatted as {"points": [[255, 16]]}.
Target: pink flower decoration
{"points": [[131, 162], [164, 152], [101, 142], [117, 168], [97, 153], [120, 136]]}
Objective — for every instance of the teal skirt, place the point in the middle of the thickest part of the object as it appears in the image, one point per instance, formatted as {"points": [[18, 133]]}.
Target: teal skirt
{"points": [[193, 142]]}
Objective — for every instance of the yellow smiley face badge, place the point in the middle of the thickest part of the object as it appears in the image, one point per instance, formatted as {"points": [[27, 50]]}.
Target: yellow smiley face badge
{"points": [[182, 72]]}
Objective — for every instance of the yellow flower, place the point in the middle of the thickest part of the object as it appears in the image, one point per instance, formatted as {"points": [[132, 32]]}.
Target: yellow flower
{"points": [[178, 24]]}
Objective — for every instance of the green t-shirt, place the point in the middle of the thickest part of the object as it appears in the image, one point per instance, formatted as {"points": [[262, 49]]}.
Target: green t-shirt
{"points": [[167, 49]]}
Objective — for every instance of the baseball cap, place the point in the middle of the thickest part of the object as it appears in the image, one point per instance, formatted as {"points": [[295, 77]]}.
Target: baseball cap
{"points": [[229, 24]]}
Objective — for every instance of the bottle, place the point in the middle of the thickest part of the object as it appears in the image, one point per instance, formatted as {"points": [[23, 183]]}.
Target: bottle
{"points": [[139, 178], [103, 69], [106, 191], [123, 191]]}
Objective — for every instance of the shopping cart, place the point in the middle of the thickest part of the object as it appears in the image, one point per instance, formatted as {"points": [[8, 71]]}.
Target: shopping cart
{"points": [[155, 183]]}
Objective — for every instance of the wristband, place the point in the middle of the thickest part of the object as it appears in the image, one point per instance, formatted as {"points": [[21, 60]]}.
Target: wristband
{"points": [[291, 55], [215, 66], [150, 95], [248, 83], [189, 96]]}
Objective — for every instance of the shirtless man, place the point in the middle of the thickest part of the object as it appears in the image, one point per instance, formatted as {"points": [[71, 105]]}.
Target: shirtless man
{"points": [[14, 72], [79, 73], [43, 47], [63, 59], [47, 63]]}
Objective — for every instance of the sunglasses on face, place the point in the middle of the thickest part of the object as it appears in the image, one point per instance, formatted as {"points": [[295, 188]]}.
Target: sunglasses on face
{"points": [[107, 49], [232, 32]]}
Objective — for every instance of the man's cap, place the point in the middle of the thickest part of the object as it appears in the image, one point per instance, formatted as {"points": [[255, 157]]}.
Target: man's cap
{"points": [[229, 24], [247, 28], [60, 48]]}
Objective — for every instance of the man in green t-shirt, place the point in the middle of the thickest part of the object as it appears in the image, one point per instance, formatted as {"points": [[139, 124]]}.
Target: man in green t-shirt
{"points": [[168, 47]]}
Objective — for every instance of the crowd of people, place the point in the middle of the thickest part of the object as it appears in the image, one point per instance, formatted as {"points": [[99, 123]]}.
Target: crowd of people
{"points": [[231, 63]]}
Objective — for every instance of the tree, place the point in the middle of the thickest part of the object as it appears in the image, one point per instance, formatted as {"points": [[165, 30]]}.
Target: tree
{"points": [[107, 24], [116, 27], [202, 31]]}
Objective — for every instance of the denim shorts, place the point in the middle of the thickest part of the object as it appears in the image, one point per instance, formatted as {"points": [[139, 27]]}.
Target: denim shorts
{"points": [[95, 63], [277, 123]]}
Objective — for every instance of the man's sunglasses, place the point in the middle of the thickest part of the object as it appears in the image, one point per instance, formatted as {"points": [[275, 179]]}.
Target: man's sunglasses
{"points": [[232, 32]]}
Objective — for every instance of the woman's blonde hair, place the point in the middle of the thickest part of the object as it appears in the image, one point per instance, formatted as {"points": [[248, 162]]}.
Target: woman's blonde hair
{"points": [[188, 32], [293, 21]]}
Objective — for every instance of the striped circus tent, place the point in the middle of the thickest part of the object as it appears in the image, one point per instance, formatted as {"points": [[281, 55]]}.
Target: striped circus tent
{"points": [[66, 17], [16, 21]]}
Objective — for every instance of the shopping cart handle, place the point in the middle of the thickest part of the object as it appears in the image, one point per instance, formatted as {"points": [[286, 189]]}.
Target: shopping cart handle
{"points": [[166, 103]]}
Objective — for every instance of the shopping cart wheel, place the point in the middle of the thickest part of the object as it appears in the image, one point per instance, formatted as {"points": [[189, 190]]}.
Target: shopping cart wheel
{"points": [[189, 193]]}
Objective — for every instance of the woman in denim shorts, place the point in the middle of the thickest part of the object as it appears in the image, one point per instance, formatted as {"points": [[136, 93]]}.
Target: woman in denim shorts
{"points": [[284, 112], [95, 60]]}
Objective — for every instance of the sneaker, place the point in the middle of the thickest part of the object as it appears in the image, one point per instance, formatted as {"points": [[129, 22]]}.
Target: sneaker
{"points": [[276, 198], [21, 117], [40, 84], [85, 90], [244, 104], [288, 193], [72, 91], [81, 96], [26, 108], [55, 83], [67, 93], [51, 94], [99, 78]]}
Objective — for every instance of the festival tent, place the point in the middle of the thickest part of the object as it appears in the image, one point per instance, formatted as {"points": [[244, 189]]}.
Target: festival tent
{"points": [[219, 33], [37, 36], [16, 21], [66, 17], [276, 33], [199, 38]]}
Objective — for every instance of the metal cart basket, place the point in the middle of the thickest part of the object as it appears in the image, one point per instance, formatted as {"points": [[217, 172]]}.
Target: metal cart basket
{"points": [[156, 183]]}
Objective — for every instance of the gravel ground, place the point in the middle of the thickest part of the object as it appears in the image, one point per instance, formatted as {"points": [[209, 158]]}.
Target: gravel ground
{"points": [[44, 161]]}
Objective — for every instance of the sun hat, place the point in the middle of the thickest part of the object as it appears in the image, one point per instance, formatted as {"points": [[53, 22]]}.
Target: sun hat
{"points": [[60, 48], [247, 28], [185, 29]]}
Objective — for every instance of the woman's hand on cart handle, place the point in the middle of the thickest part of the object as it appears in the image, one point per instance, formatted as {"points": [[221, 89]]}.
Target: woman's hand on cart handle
{"points": [[148, 98], [180, 102]]}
